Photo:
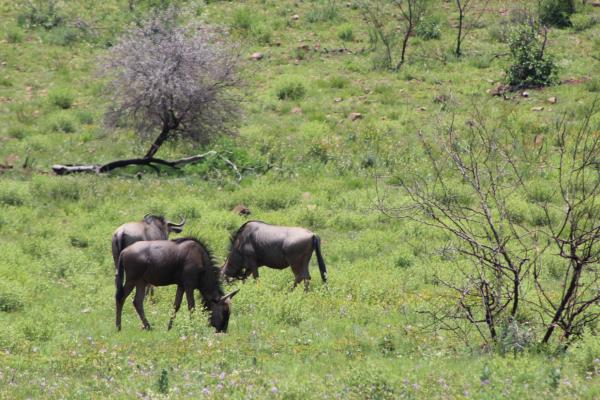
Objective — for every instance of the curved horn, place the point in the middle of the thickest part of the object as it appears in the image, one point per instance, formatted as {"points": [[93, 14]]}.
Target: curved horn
{"points": [[146, 216], [230, 295], [180, 224]]}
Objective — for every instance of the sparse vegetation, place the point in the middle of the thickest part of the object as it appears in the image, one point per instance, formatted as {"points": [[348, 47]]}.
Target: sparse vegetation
{"points": [[322, 135]]}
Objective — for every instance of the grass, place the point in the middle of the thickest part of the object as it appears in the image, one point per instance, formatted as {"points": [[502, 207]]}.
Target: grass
{"points": [[367, 334]]}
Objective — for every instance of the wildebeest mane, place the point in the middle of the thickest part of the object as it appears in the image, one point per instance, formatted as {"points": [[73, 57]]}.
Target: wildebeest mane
{"points": [[212, 272], [234, 235], [148, 218]]}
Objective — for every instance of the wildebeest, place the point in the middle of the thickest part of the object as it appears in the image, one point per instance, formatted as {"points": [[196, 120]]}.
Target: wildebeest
{"points": [[184, 262], [256, 244], [152, 227]]}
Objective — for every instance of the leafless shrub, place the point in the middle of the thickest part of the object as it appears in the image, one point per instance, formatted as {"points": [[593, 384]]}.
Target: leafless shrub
{"points": [[383, 17], [472, 186], [466, 9], [173, 80]]}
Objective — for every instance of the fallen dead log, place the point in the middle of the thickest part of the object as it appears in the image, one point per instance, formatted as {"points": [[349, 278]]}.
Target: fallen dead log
{"points": [[66, 169]]}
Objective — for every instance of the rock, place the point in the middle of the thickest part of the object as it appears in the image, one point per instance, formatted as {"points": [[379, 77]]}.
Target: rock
{"points": [[537, 109], [337, 99], [552, 100], [304, 47], [525, 94], [257, 56], [422, 109], [295, 17], [499, 90], [296, 110], [355, 115]]}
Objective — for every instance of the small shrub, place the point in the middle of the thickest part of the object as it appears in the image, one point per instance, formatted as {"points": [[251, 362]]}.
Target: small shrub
{"points": [[428, 28], [292, 90], [556, 12], [262, 33], [530, 67], [338, 82], [593, 85], [85, 117], [63, 36], [11, 197], [581, 22], [163, 382], [17, 131], [62, 123], [323, 13], [61, 97], [515, 338], [345, 33], [10, 300], [14, 36], [41, 13], [243, 19], [554, 377]]}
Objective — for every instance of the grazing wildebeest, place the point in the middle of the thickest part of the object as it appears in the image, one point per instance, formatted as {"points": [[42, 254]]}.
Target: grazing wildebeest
{"points": [[184, 262], [256, 244], [152, 227]]}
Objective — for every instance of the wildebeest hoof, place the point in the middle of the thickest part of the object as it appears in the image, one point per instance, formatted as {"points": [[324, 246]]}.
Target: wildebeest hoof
{"points": [[147, 328]]}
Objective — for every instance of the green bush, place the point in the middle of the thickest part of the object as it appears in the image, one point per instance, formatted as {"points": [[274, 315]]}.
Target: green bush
{"points": [[323, 13], [85, 117], [581, 22], [63, 36], [556, 12], [593, 85], [345, 33], [291, 90], [14, 35], [10, 299], [61, 97], [62, 123], [530, 67], [429, 28], [41, 13], [243, 19]]}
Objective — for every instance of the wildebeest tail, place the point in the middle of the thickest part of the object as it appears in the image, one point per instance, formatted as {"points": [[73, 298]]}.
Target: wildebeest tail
{"points": [[322, 267], [119, 279], [117, 246]]}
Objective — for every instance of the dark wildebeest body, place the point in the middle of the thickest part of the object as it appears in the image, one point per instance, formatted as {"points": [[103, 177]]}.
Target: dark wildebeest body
{"points": [[183, 262], [152, 227], [258, 244]]}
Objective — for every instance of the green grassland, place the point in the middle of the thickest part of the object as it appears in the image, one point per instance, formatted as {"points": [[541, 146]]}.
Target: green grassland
{"points": [[305, 163]]}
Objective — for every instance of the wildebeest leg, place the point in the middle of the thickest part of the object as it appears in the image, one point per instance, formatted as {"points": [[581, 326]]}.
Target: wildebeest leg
{"points": [[150, 291], [178, 298], [127, 288], [189, 295], [300, 269], [138, 303]]}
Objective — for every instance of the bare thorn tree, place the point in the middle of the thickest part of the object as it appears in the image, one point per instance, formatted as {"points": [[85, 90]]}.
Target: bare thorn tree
{"points": [[465, 8], [167, 80], [575, 233], [492, 193], [378, 14]]}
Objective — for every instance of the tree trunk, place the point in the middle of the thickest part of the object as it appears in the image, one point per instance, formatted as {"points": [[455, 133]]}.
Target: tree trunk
{"points": [[404, 46], [563, 304], [164, 134], [461, 17]]}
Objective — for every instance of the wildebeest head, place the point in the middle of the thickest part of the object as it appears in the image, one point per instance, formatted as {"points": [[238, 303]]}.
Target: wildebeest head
{"points": [[233, 268], [220, 310], [166, 226]]}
